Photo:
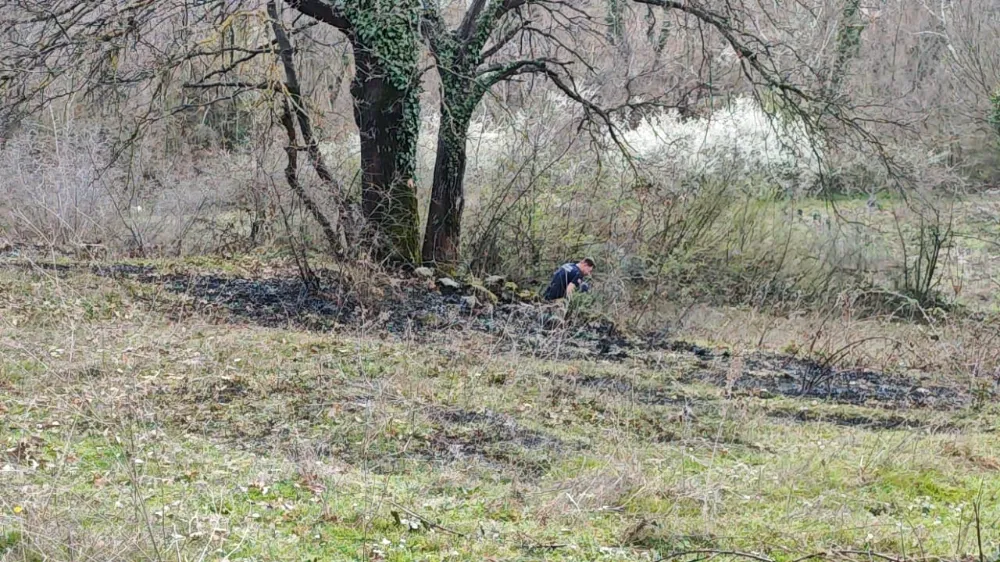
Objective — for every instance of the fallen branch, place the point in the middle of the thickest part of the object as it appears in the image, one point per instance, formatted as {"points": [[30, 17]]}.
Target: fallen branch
{"points": [[815, 555], [425, 520]]}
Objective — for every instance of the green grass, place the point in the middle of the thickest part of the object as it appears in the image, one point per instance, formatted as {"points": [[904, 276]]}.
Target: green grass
{"points": [[129, 432]]}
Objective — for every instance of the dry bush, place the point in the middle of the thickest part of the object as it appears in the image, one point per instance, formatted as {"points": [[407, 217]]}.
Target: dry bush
{"points": [[51, 186], [175, 189]]}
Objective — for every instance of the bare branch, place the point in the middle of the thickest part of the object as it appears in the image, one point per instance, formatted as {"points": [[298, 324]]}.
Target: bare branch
{"points": [[322, 11], [292, 177], [501, 42], [294, 92], [268, 86]]}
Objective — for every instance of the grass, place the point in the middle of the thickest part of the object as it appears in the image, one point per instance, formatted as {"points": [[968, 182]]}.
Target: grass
{"points": [[136, 427]]}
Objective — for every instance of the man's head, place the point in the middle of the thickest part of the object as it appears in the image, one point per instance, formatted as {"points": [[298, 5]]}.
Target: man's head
{"points": [[586, 265]]}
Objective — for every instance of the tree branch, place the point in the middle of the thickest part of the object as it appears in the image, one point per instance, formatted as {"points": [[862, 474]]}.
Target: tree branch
{"points": [[470, 23], [541, 66], [503, 41], [267, 86], [320, 10], [496, 73], [476, 21], [728, 32], [292, 177], [294, 91]]}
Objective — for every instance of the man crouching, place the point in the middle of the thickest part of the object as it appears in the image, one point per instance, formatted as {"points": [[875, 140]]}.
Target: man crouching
{"points": [[569, 279]]}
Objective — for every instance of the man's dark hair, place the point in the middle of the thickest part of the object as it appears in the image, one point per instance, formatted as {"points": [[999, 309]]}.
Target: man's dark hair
{"points": [[589, 261]]}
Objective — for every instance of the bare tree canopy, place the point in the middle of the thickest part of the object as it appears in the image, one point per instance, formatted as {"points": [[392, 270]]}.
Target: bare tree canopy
{"points": [[618, 62]]}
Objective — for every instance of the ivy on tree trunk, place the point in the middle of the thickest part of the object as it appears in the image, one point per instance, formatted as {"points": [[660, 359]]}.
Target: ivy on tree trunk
{"points": [[384, 35], [460, 94], [459, 53], [388, 119]]}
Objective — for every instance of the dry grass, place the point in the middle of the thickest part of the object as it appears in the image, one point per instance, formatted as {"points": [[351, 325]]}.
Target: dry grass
{"points": [[137, 429]]}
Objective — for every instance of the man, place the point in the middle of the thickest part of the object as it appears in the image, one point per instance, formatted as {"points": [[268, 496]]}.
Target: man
{"points": [[568, 279]]}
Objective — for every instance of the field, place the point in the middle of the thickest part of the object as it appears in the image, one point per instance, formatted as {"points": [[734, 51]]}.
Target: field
{"points": [[270, 276], [186, 410]]}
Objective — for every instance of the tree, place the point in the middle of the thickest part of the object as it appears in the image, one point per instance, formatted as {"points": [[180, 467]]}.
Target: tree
{"points": [[385, 88], [463, 60], [470, 60], [459, 55]]}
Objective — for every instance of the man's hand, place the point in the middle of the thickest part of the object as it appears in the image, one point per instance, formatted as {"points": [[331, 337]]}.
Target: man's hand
{"points": [[570, 289]]}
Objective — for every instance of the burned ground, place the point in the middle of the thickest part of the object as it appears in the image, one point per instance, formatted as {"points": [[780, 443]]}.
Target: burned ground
{"points": [[408, 308], [244, 396]]}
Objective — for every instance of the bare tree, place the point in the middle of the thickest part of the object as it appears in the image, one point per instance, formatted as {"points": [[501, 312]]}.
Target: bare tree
{"points": [[499, 40], [384, 36]]}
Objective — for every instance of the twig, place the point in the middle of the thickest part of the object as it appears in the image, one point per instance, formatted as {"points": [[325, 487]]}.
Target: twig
{"points": [[885, 557], [424, 519], [735, 553], [820, 555], [979, 525], [810, 557], [537, 545]]}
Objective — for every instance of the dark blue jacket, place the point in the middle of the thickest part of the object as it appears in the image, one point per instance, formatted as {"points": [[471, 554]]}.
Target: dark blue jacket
{"points": [[566, 274]]}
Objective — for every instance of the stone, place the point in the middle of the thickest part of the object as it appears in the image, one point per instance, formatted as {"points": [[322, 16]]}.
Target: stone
{"points": [[482, 293], [424, 272], [448, 286], [495, 283], [470, 302], [527, 296]]}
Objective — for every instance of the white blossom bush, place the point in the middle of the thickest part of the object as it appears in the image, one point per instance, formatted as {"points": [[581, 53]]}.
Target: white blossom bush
{"points": [[740, 138]]}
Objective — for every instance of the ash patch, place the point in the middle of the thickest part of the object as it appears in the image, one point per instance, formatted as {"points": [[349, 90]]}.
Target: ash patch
{"points": [[494, 438], [649, 395], [769, 374], [123, 270], [268, 301], [860, 420], [410, 307], [526, 328], [698, 351], [797, 377], [283, 301]]}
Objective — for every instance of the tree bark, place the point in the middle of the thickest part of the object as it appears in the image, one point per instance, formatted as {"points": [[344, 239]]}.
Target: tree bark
{"points": [[388, 121], [443, 235]]}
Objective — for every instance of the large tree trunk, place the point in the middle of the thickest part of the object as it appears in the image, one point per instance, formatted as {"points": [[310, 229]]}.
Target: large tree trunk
{"points": [[388, 120], [444, 218]]}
